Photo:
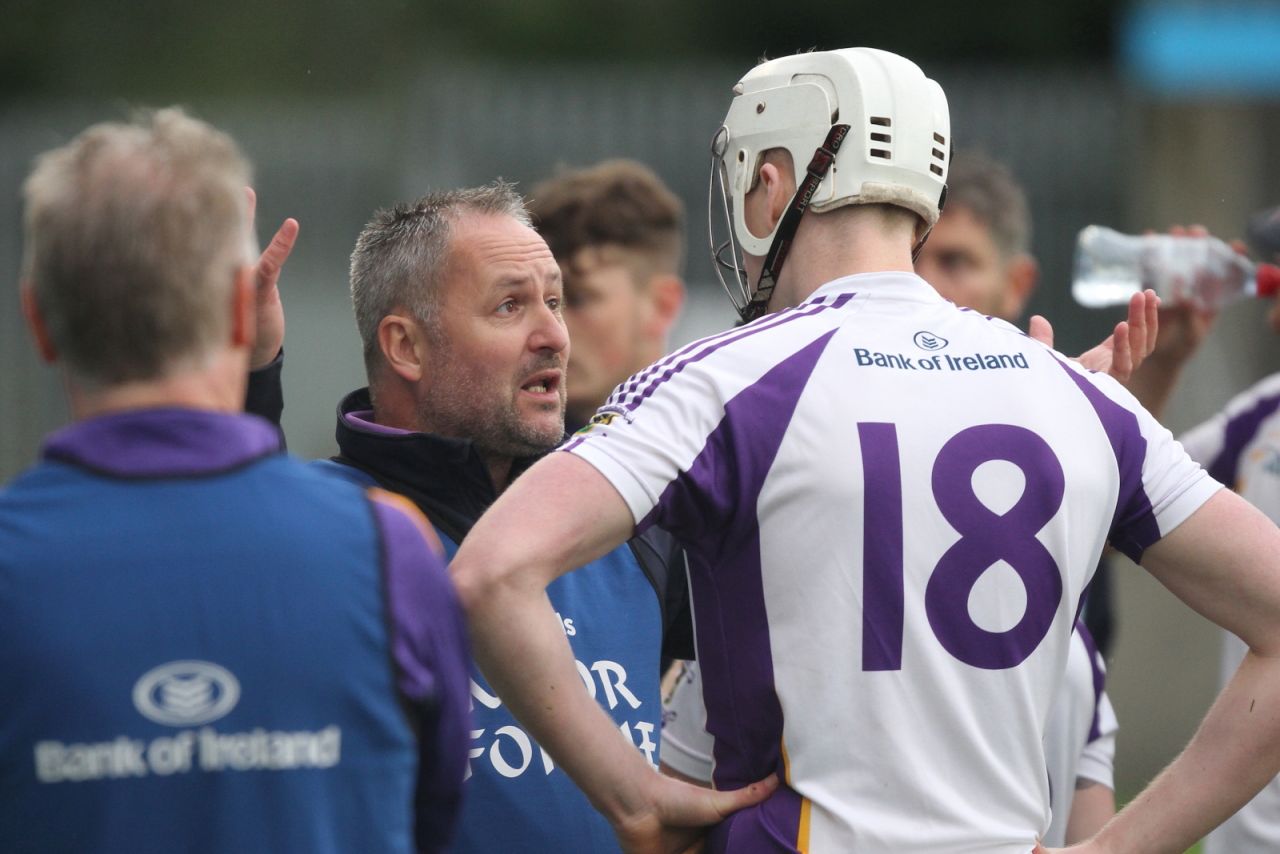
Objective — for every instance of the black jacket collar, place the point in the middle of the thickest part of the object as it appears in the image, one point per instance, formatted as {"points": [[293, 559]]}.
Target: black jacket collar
{"points": [[445, 477], [450, 484]]}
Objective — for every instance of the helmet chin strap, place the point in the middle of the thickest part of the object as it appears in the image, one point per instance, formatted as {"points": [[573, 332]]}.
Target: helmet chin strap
{"points": [[919, 247], [786, 231]]}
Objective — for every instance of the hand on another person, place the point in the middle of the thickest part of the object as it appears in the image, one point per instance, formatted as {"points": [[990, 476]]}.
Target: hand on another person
{"points": [[678, 814]]}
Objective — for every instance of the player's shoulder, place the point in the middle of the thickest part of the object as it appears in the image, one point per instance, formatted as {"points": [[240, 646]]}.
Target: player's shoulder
{"points": [[715, 367], [307, 479], [402, 518]]}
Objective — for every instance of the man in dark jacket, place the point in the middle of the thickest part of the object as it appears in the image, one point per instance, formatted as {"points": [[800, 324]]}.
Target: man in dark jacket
{"points": [[459, 306]]}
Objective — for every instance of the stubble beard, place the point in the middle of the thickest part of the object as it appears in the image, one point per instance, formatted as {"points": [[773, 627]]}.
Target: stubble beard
{"points": [[473, 410]]}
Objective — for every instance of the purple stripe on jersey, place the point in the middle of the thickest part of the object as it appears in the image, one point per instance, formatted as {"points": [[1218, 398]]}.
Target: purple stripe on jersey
{"points": [[170, 442], [770, 827], [808, 310], [642, 376], [429, 648], [1133, 525], [573, 443], [629, 387], [1239, 432], [1099, 680], [711, 509]]}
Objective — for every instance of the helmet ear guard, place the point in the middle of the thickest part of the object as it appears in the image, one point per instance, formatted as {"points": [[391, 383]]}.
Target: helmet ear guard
{"points": [[893, 150]]}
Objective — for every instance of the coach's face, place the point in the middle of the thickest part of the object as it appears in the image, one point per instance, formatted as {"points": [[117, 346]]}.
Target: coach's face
{"points": [[498, 346]]}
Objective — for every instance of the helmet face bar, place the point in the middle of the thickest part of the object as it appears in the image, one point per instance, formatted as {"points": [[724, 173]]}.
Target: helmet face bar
{"points": [[895, 152], [739, 291]]}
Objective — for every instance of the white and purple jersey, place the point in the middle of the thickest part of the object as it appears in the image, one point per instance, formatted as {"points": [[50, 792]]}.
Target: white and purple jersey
{"points": [[891, 508], [1240, 446]]}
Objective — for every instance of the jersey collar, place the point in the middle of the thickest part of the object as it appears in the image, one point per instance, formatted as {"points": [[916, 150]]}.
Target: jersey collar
{"points": [[895, 285]]}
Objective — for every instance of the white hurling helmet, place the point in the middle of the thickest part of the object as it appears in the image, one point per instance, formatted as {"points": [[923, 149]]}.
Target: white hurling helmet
{"points": [[863, 126]]}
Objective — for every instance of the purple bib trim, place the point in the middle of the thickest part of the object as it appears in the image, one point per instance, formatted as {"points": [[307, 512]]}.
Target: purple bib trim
{"points": [[163, 442]]}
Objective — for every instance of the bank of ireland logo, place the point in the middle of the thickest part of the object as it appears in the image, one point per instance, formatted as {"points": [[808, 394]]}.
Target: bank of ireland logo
{"points": [[929, 341], [186, 693]]}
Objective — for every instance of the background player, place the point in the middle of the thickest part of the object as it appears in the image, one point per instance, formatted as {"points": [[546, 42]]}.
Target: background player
{"points": [[866, 630], [618, 234]]}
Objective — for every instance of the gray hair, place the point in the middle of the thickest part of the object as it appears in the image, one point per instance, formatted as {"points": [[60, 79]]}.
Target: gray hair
{"points": [[988, 189], [400, 254], [133, 232]]}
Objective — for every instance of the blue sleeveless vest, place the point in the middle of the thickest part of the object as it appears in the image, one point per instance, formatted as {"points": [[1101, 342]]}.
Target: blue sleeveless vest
{"points": [[194, 651], [516, 799], [513, 784]]}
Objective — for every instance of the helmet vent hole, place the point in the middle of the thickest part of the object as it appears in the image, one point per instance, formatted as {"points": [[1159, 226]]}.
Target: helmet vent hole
{"points": [[938, 154], [935, 169], [882, 121], [940, 139], [881, 152], [881, 137]]}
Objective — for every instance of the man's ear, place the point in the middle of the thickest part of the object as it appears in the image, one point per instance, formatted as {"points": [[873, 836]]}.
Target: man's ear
{"points": [[244, 310], [404, 346], [666, 297], [779, 189], [1022, 273], [35, 322]]}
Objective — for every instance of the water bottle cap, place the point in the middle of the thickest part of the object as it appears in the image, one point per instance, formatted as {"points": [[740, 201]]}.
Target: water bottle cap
{"points": [[1268, 280]]}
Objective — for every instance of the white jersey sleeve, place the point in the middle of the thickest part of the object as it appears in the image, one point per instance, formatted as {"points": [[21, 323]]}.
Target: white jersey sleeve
{"points": [[1160, 484], [686, 745], [1097, 759]]}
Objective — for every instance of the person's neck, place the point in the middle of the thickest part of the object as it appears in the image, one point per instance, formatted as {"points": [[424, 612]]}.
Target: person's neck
{"points": [[216, 387], [499, 470], [827, 248], [394, 407]]}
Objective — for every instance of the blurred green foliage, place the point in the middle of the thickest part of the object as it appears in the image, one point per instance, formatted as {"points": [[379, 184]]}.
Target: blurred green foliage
{"points": [[152, 48]]}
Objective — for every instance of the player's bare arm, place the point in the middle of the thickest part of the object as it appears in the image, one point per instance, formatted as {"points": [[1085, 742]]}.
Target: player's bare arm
{"points": [[1224, 562], [1093, 805], [559, 515]]}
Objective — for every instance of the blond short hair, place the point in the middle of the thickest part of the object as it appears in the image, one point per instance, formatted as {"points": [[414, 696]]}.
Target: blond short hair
{"points": [[133, 234]]}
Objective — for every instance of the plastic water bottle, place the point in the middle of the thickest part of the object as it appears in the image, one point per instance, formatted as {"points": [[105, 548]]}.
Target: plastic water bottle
{"points": [[1111, 267]]}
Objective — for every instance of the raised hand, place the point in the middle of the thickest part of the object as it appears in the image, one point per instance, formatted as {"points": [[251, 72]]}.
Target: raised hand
{"points": [[1127, 347], [266, 274], [1131, 343]]}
